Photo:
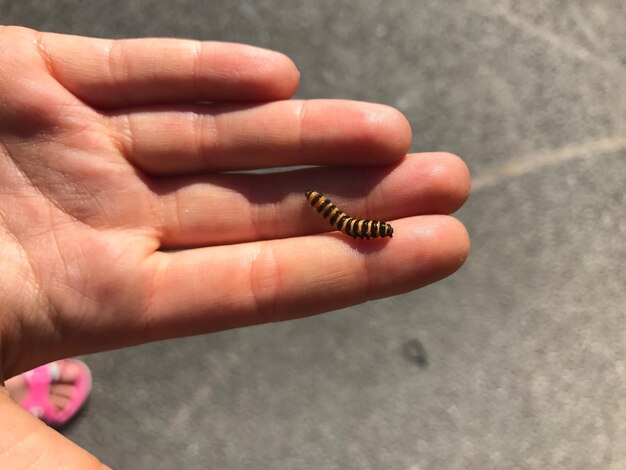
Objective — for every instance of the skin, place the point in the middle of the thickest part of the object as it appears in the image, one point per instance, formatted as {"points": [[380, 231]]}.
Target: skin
{"points": [[111, 152]]}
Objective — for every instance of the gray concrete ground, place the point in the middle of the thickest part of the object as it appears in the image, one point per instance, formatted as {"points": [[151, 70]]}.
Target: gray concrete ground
{"points": [[525, 347]]}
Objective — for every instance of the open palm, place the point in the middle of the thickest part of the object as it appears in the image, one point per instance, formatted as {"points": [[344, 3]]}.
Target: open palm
{"points": [[122, 220]]}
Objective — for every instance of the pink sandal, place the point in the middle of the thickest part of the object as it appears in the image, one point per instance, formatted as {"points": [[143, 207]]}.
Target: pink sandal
{"points": [[37, 401]]}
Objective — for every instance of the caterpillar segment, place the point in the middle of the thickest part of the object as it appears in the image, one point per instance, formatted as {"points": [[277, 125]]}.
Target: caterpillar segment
{"points": [[356, 228]]}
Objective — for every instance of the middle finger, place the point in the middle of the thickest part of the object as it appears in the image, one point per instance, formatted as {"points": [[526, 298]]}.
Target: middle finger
{"points": [[236, 208]]}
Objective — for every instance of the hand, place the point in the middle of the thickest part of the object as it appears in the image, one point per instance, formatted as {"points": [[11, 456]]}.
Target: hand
{"points": [[112, 151]]}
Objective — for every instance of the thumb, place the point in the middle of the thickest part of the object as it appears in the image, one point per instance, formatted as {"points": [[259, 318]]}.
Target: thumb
{"points": [[26, 442]]}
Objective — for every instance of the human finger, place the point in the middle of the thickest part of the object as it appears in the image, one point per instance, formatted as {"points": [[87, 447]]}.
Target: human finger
{"points": [[121, 73], [215, 288], [226, 137], [236, 208]]}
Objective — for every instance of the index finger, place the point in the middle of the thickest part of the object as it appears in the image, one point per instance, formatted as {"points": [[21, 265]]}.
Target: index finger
{"points": [[130, 72], [215, 288]]}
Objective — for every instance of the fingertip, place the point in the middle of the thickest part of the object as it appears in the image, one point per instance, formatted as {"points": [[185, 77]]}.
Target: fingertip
{"points": [[437, 244], [449, 179], [459, 172], [286, 78], [453, 244], [280, 74], [423, 250], [353, 133], [463, 244], [292, 75], [387, 130], [400, 130]]}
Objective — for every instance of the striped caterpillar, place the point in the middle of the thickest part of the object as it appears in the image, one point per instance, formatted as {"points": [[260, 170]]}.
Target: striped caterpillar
{"points": [[356, 228]]}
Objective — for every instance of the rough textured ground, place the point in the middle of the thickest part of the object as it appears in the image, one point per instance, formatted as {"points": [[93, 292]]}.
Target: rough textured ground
{"points": [[525, 347]]}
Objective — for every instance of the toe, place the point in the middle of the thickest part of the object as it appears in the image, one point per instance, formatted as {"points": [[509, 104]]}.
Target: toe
{"points": [[59, 401]]}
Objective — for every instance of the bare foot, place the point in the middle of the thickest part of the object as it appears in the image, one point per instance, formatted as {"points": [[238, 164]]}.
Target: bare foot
{"points": [[61, 390]]}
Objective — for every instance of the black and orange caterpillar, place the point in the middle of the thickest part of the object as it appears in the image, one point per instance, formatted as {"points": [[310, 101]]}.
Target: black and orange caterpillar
{"points": [[357, 228]]}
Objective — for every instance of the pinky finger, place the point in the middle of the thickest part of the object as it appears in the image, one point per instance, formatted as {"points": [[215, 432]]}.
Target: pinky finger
{"points": [[141, 72]]}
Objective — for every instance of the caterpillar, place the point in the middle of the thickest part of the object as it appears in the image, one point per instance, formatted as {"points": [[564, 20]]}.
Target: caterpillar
{"points": [[356, 228]]}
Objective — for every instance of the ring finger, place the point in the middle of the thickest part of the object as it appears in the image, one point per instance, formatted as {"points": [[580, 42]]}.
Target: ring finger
{"points": [[226, 137]]}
